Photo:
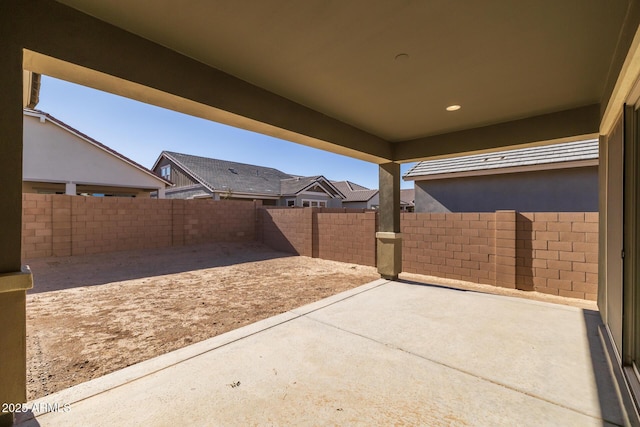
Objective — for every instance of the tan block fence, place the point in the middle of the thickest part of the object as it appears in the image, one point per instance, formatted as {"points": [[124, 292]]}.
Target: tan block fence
{"points": [[59, 225], [555, 253], [339, 234]]}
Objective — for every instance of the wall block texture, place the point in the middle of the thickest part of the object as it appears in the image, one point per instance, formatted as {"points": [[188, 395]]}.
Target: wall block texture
{"points": [[550, 252], [459, 246], [60, 225], [339, 234]]}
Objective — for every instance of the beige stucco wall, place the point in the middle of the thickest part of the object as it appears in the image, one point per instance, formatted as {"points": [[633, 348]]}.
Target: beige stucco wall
{"points": [[53, 154]]}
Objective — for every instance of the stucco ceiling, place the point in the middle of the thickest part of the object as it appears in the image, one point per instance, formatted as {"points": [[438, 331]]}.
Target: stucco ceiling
{"points": [[500, 60]]}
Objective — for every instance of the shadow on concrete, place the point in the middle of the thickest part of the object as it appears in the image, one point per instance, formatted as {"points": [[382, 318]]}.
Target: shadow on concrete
{"points": [[611, 407], [54, 274], [433, 285], [26, 419]]}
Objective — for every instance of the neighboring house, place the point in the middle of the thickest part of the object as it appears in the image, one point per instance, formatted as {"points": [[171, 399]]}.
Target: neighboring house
{"points": [[201, 177], [555, 178], [357, 196], [58, 159], [407, 200]]}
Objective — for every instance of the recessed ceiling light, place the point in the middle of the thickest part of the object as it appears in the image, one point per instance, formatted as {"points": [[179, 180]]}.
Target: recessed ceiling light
{"points": [[453, 107], [402, 57]]}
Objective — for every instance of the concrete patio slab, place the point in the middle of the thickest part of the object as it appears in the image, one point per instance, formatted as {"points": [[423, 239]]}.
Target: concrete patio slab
{"points": [[387, 353]]}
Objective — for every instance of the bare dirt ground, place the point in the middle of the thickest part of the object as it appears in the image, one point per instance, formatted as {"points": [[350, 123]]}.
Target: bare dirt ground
{"points": [[91, 315]]}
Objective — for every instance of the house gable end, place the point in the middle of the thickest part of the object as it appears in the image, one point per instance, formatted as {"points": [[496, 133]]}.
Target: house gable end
{"points": [[53, 153], [178, 175]]}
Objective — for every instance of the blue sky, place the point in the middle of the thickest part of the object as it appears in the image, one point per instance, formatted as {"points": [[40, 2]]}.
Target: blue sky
{"points": [[141, 131]]}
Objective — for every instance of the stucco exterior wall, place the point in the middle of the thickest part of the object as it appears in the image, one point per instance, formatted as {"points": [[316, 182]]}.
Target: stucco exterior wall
{"points": [[372, 203], [562, 190], [331, 203], [355, 205], [52, 154]]}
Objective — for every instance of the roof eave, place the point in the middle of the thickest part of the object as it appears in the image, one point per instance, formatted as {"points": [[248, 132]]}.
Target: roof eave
{"points": [[247, 195], [501, 171]]}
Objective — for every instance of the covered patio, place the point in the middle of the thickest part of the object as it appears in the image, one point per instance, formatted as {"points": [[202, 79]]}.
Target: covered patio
{"points": [[369, 356], [386, 82]]}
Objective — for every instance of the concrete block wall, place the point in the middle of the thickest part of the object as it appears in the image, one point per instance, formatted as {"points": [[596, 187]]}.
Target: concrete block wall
{"points": [[102, 225], [37, 225], [557, 253], [339, 234], [347, 236], [216, 220], [60, 225], [287, 229], [457, 246]]}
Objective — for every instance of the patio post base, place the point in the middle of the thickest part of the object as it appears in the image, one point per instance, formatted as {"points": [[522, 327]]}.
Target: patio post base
{"points": [[389, 252], [13, 357]]}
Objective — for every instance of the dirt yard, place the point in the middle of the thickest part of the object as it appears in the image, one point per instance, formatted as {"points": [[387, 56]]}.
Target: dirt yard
{"points": [[91, 315]]}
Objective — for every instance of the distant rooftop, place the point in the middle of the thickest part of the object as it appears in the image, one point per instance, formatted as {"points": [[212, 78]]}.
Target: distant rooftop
{"points": [[291, 186], [522, 157], [224, 175], [354, 192], [227, 175], [407, 197]]}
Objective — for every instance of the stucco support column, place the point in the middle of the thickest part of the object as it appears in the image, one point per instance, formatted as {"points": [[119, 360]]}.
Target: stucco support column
{"points": [[161, 193], [70, 189], [389, 238], [603, 172], [13, 282]]}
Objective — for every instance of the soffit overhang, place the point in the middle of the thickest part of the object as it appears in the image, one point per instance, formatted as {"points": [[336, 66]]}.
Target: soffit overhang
{"points": [[503, 61]]}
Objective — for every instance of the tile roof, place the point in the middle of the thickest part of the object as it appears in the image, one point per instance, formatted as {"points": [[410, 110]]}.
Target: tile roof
{"points": [[299, 183], [531, 156], [354, 192], [293, 185], [224, 175], [47, 116], [230, 176]]}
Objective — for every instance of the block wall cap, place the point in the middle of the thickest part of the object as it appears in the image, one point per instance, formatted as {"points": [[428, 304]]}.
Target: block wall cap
{"points": [[19, 281], [388, 235]]}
